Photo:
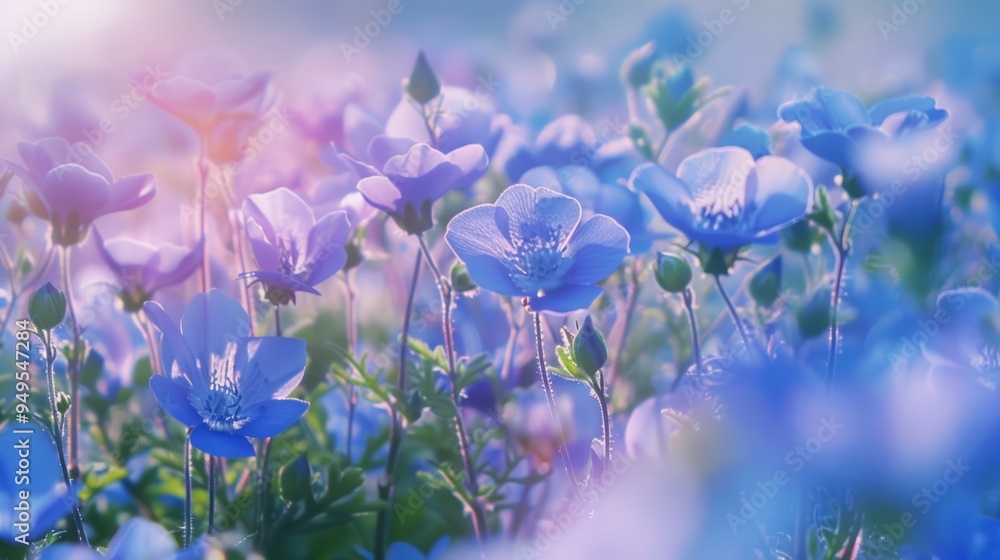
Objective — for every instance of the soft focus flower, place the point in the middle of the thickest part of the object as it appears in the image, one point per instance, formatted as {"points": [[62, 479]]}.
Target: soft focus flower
{"points": [[137, 539], [463, 118], [531, 244], [293, 250], [564, 141], [142, 269], [49, 501], [70, 186], [833, 122], [723, 199], [221, 382], [405, 182]]}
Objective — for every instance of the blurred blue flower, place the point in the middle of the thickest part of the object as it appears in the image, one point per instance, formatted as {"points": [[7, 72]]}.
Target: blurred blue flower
{"points": [[749, 137], [226, 385], [400, 550], [293, 251], [142, 269], [137, 539], [531, 244], [564, 141], [723, 199], [49, 501], [463, 118], [833, 122]]}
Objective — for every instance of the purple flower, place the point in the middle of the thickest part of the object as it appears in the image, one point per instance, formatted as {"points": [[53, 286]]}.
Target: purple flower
{"points": [[71, 187], [531, 244], [407, 178], [221, 382], [143, 269], [293, 251]]}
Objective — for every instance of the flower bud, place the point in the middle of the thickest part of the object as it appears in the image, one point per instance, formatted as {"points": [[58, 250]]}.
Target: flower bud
{"points": [[765, 286], [590, 352], [422, 86], [296, 480], [675, 94], [672, 272], [460, 279], [47, 307], [814, 316], [638, 66], [63, 402]]}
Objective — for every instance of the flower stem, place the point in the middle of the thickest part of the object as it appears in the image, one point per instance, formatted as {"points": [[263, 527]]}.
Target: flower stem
{"points": [[602, 399], [733, 314], [395, 428], [50, 360], [211, 494], [264, 492], [626, 319], [695, 338], [550, 399], [447, 302], [73, 366], [842, 248], [188, 511], [204, 281], [352, 335]]}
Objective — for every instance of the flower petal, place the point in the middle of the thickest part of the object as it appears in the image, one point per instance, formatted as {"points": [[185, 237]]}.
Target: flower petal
{"points": [[71, 189], [210, 322], [669, 195], [382, 193], [566, 298], [174, 400], [597, 247], [474, 236], [131, 192], [174, 348], [325, 254], [267, 255], [176, 264], [281, 214], [270, 418], [537, 213], [221, 444], [274, 367], [783, 194], [141, 539]]}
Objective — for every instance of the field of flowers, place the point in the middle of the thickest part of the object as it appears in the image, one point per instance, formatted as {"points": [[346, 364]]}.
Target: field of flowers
{"points": [[558, 279]]}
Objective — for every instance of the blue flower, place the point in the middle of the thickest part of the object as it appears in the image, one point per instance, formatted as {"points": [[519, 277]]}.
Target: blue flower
{"points": [[564, 141], [723, 199], [833, 122], [49, 501], [221, 382], [137, 538], [531, 244], [293, 250]]}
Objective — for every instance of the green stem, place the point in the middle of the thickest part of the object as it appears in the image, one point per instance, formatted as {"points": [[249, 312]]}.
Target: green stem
{"points": [[602, 399], [447, 294], [395, 428], [211, 493], [732, 313], [188, 510], [842, 249], [695, 338], [550, 398], [72, 366], [50, 360]]}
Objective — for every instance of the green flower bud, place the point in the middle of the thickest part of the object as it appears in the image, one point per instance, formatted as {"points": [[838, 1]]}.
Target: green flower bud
{"points": [[354, 256], [296, 480], [63, 402], [814, 316], [422, 86], [590, 352], [47, 307], [765, 286], [460, 279], [801, 236], [672, 272]]}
